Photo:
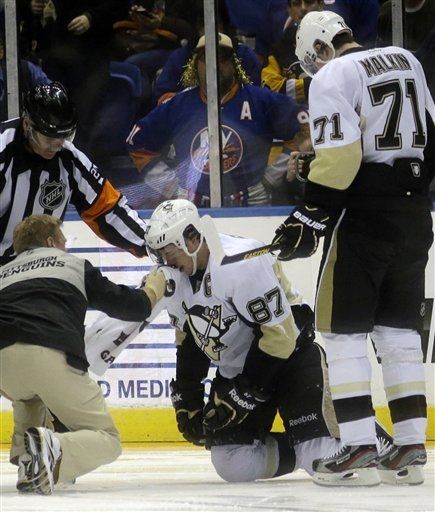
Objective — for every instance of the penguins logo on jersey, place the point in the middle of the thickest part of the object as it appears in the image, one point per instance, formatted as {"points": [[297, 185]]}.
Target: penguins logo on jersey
{"points": [[208, 326], [232, 150], [52, 194]]}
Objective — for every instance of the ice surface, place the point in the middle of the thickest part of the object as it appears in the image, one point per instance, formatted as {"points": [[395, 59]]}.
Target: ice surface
{"points": [[161, 479]]}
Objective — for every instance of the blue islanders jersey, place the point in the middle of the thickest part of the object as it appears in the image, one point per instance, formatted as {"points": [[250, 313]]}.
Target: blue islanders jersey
{"points": [[251, 117]]}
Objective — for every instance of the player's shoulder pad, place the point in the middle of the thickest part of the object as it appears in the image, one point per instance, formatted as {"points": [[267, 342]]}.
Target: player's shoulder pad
{"points": [[234, 245]]}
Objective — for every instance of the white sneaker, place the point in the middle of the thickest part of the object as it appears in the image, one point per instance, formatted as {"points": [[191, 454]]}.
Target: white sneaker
{"points": [[44, 450], [25, 479]]}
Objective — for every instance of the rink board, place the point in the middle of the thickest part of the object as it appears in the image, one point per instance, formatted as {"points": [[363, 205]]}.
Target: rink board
{"points": [[136, 386]]}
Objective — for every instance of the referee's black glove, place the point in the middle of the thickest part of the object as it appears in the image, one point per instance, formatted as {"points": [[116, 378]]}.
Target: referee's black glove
{"points": [[299, 234]]}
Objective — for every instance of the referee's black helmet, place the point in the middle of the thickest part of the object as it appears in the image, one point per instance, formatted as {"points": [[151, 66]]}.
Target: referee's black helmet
{"points": [[50, 110]]}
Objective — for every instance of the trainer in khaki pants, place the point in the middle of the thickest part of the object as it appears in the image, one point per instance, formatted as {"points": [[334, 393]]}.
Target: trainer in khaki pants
{"points": [[44, 295], [76, 400]]}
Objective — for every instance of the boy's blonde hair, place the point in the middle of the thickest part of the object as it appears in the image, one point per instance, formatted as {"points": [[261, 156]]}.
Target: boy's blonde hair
{"points": [[34, 230]]}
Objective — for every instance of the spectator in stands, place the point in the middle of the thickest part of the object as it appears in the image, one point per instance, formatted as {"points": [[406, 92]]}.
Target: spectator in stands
{"points": [[294, 11], [419, 21], [251, 117], [283, 73], [425, 54], [29, 75], [151, 34], [44, 294], [73, 37], [169, 81], [263, 19], [361, 16]]}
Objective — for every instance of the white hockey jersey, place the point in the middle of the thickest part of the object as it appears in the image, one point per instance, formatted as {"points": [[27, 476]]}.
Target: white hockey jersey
{"points": [[232, 303], [367, 106]]}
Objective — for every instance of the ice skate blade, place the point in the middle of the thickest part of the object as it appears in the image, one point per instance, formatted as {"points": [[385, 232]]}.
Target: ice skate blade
{"points": [[411, 475], [359, 477]]}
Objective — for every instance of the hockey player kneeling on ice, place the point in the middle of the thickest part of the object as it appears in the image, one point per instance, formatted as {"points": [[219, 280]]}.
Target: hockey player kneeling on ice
{"points": [[247, 320], [44, 294]]}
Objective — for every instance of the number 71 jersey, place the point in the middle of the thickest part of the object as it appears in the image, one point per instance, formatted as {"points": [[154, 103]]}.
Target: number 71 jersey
{"points": [[370, 105]]}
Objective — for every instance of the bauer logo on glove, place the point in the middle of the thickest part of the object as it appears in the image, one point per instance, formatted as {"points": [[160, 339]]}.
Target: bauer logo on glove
{"points": [[310, 222], [299, 234]]}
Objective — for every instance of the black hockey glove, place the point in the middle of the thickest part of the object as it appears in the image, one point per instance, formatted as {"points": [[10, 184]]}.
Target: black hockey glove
{"points": [[188, 402], [231, 400], [299, 234]]}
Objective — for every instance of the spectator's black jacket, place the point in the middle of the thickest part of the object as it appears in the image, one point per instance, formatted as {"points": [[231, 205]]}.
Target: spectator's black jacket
{"points": [[44, 294]]}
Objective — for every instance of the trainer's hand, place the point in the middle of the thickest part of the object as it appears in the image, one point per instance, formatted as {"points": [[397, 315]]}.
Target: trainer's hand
{"points": [[299, 234], [231, 400], [155, 285]]}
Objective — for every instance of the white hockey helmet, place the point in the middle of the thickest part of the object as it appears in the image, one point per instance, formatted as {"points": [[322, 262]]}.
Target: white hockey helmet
{"points": [[170, 222], [314, 38]]}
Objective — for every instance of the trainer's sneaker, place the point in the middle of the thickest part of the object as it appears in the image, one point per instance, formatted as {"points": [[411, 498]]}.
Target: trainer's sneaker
{"points": [[349, 466], [25, 478], [44, 450], [403, 465]]}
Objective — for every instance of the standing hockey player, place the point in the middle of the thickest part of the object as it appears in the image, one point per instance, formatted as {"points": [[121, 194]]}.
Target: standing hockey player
{"points": [[44, 294], [260, 336], [371, 117], [42, 171]]}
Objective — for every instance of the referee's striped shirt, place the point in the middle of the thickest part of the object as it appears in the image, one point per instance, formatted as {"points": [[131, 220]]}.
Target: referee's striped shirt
{"points": [[30, 184]]}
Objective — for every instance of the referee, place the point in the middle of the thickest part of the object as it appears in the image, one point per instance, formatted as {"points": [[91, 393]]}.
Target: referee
{"points": [[42, 172]]}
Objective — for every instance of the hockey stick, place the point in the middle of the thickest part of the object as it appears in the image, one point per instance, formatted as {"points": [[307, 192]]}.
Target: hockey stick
{"points": [[217, 251]]}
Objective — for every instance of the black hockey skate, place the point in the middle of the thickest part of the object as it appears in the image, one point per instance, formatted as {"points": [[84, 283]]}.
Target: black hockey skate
{"points": [[384, 440], [349, 466], [403, 465]]}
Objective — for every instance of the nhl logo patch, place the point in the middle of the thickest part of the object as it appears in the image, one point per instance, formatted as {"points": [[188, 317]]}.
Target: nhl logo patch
{"points": [[52, 194]]}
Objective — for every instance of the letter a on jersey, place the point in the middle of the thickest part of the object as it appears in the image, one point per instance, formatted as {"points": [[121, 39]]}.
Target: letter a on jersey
{"points": [[246, 111]]}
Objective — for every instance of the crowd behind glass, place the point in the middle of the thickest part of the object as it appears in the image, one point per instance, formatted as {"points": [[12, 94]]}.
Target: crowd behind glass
{"points": [[120, 59]]}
